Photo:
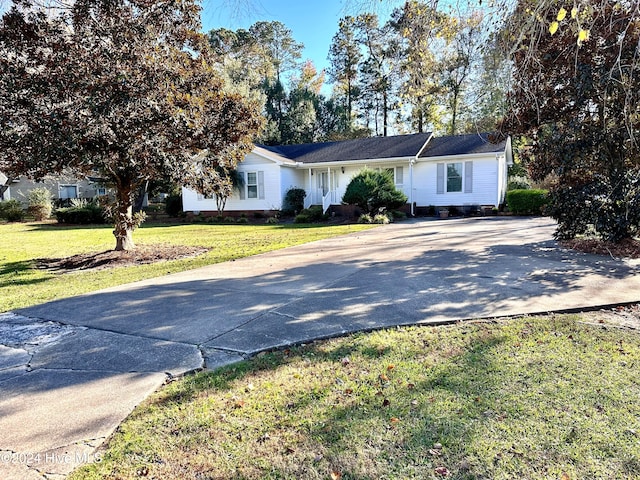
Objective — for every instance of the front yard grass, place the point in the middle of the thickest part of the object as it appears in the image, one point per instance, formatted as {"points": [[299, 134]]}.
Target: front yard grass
{"points": [[530, 398], [22, 284]]}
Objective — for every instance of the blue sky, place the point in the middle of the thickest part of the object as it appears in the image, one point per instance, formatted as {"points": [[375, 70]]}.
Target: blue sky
{"points": [[314, 23]]}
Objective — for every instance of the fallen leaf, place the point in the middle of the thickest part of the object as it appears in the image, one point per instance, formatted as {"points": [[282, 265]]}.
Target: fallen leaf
{"points": [[561, 14], [414, 403], [346, 361], [565, 476], [442, 471], [386, 402], [336, 475], [348, 391], [411, 386], [434, 452], [391, 367], [383, 377], [394, 420]]}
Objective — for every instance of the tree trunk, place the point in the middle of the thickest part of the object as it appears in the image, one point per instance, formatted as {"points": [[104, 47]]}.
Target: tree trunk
{"points": [[123, 221], [141, 196]]}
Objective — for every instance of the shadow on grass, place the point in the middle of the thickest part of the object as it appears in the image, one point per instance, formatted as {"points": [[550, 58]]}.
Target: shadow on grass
{"points": [[10, 274]]}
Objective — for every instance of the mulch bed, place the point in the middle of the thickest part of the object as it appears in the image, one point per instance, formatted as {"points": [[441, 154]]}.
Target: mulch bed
{"points": [[628, 248], [143, 254]]}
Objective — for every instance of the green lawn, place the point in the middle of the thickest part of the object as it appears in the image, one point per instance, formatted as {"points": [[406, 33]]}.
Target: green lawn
{"points": [[531, 398], [22, 285]]}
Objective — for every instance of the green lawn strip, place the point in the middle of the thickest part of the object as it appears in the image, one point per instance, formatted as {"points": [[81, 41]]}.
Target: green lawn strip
{"points": [[22, 284], [526, 398]]}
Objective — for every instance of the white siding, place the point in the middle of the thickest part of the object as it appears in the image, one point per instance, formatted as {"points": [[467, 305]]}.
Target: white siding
{"points": [[486, 183], [252, 163], [292, 178], [342, 179]]}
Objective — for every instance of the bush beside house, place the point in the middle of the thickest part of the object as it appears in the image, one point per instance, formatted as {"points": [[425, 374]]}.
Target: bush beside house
{"points": [[374, 192], [527, 202]]}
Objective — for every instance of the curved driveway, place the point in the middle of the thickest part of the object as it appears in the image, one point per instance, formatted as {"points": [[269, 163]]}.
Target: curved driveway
{"points": [[71, 370]]}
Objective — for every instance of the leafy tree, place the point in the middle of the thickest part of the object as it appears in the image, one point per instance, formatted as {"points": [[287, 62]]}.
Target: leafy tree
{"points": [[118, 88], [378, 70], [345, 55], [421, 28], [575, 96], [373, 191], [456, 63]]}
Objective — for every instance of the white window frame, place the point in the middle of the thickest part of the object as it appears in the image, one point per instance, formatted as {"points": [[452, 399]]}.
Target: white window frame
{"points": [[252, 194], [64, 188], [461, 176], [442, 177]]}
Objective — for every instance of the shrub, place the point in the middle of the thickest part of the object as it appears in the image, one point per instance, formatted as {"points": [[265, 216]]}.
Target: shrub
{"points": [[381, 218], [398, 215], [315, 214], [272, 220], [40, 203], [293, 201], [91, 214], [373, 192], [365, 218], [302, 218], [11, 211], [173, 205], [527, 202], [518, 183], [243, 220], [9, 206]]}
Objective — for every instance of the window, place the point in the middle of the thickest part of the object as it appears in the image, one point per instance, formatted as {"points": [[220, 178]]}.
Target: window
{"points": [[101, 191], [68, 191], [451, 177], [252, 185], [397, 174], [454, 177]]}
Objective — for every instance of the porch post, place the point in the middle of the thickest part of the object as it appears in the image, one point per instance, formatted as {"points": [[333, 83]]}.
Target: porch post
{"points": [[310, 187]]}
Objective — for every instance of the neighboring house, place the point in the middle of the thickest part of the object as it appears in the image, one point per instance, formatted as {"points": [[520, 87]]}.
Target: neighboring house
{"points": [[62, 187], [460, 171]]}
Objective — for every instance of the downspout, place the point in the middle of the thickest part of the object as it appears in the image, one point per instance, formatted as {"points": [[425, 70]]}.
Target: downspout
{"points": [[411, 162], [500, 182]]}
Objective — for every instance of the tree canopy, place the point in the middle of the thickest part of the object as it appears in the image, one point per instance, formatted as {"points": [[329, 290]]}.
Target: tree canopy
{"points": [[575, 97], [121, 89]]}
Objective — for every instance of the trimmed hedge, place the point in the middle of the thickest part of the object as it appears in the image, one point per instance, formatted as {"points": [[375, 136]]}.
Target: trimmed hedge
{"points": [[81, 215], [527, 202]]}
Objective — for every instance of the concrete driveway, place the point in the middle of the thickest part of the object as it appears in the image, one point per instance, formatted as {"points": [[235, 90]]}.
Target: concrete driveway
{"points": [[72, 370]]}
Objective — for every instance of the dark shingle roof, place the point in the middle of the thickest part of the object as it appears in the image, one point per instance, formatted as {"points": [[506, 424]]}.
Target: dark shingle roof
{"points": [[461, 145], [359, 149]]}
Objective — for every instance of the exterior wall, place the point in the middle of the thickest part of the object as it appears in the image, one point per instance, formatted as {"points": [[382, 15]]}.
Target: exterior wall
{"points": [[487, 178], [271, 188], [340, 179], [56, 185], [291, 178]]}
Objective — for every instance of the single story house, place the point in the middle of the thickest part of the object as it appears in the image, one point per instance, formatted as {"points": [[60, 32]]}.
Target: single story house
{"points": [[62, 187], [460, 171]]}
